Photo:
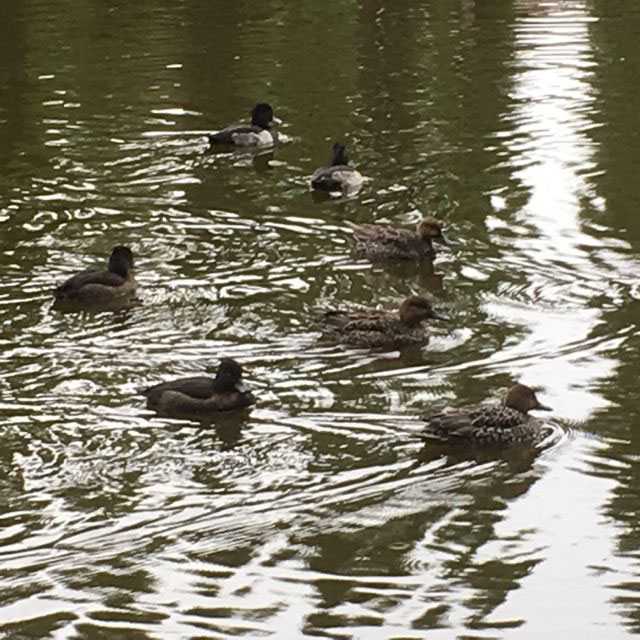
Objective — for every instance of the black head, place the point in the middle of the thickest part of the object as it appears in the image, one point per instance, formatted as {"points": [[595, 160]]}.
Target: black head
{"points": [[339, 154], [262, 115], [121, 261], [229, 376]]}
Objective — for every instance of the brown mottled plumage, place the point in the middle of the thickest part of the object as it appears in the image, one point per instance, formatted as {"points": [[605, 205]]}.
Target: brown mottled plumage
{"points": [[376, 328], [201, 396], [385, 242], [492, 424]]}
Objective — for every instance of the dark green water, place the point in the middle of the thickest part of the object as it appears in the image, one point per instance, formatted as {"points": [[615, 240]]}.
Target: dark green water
{"points": [[319, 515]]}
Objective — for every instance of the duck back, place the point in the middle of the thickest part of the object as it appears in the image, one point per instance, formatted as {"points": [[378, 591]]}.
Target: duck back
{"points": [[74, 285], [198, 387], [176, 404], [335, 178], [244, 136], [485, 424], [382, 242]]}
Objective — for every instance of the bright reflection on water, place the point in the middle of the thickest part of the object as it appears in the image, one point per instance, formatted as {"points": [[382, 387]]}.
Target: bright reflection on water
{"points": [[318, 513]]}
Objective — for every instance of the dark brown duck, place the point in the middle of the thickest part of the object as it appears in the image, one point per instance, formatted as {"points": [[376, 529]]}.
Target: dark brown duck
{"points": [[100, 287], [201, 395]]}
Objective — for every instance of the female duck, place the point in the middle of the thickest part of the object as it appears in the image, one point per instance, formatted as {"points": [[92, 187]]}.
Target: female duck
{"points": [[201, 396], [505, 423], [384, 242], [373, 328], [338, 176], [93, 286], [258, 134]]}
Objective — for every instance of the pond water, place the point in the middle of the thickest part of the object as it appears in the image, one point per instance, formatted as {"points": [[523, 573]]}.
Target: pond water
{"points": [[319, 514]]}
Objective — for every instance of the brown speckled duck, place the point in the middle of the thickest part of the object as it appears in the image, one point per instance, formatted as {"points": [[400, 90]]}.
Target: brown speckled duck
{"points": [[96, 287], [504, 423], [385, 242], [201, 396], [375, 328]]}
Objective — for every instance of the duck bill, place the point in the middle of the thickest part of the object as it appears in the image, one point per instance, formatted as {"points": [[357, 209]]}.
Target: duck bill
{"points": [[543, 407], [438, 316], [276, 121]]}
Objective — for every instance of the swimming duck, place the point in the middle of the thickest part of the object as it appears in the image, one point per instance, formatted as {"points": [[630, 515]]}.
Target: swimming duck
{"points": [[258, 134], [384, 242], [338, 176], [201, 395], [375, 328], [507, 422], [93, 286]]}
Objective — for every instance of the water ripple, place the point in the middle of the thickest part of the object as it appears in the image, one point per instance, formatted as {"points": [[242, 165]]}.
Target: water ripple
{"points": [[319, 511]]}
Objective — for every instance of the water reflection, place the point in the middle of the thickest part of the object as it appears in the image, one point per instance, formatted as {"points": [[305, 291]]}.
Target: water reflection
{"points": [[320, 511]]}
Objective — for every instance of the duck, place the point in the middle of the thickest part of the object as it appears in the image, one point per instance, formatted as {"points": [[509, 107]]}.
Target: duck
{"points": [[258, 134], [201, 395], [374, 328], [338, 175], [385, 242], [100, 287], [504, 423]]}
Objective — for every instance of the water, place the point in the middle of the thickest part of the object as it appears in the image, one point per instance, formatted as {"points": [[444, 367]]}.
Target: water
{"points": [[319, 514]]}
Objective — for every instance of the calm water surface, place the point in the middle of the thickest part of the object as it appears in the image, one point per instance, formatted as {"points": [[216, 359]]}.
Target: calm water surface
{"points": [[319, 514]]}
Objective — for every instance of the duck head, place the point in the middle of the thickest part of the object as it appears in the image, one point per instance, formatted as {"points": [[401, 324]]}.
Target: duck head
{"points": [[262, 115], [416, 309], [523, 399], [229, 377], [339, 154], [430, 229], [121, 261]]}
